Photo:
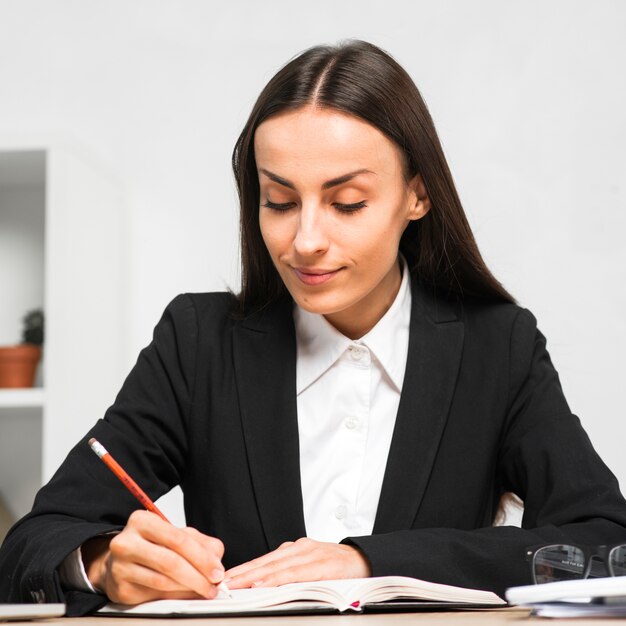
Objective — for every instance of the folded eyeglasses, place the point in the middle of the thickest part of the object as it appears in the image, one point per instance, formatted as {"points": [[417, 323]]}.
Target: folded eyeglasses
{"points": [[550, 563]]}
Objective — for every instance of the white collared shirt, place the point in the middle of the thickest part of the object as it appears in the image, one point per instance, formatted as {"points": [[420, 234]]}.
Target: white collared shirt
{"points": [[348, 394]]}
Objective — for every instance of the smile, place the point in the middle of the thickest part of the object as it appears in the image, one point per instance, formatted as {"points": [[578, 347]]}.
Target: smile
{"points": [[314, 276]]}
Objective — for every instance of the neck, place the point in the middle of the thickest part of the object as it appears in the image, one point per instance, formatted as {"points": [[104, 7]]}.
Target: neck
{"points": [[357, 320]]}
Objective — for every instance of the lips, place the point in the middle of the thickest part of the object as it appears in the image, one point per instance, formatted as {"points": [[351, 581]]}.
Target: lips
{"points": [[314, 276]]}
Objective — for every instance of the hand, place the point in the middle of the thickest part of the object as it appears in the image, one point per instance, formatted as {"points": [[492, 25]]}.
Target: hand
{"points": [[151, 559], [299, 561]]}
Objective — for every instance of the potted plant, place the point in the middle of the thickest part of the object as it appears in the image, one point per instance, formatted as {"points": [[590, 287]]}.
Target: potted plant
{"points": [[18, 364]]}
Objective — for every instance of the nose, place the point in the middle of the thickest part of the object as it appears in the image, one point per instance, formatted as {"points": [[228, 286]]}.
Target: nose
{"points": [[312, 236]]}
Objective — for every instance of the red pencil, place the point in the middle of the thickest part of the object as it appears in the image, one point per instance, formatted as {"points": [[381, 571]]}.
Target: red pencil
{"points": [[129, 483]]}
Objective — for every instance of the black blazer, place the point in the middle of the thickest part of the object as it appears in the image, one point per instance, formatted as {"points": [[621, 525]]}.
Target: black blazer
{"points": [[211, 405]]}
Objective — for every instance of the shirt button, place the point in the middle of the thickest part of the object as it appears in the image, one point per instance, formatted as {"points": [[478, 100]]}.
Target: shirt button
{"points": [[351, 423], [341, 511], [356, 353]]}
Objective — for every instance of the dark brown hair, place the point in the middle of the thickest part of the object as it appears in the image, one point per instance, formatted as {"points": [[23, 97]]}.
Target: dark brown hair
{"points": [[360, 79]]}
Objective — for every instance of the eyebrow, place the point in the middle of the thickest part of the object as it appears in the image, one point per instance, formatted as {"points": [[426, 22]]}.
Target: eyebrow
{"points": [[333, 182]]}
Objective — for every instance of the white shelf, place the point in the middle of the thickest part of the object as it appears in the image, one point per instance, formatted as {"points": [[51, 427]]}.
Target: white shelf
{"points": [[22, 398], [61, 240]]}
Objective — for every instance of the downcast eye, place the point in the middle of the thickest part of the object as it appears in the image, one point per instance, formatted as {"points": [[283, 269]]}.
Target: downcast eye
{"points": [[350, 208], [278, 207]]}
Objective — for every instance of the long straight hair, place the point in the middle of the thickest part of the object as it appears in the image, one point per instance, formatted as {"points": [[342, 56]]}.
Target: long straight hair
{"points": [[362, 80]]}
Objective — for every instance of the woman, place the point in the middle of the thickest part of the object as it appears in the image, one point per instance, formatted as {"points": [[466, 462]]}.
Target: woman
{"points": [[359, 409]]}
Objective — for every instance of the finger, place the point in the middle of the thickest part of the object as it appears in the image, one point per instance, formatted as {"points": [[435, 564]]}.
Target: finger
{"points": [[305, 572], [210, 543], [259, 576], [189, 542], [270, 557], [147, 578], [128, 592], [203, 554]]}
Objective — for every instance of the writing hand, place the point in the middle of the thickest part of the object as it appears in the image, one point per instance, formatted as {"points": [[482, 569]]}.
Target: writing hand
{"points": [[299, 561], [150, 559]]}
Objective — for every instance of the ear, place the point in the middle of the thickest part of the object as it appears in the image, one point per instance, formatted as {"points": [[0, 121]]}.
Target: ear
{"points": [[418, 200]]}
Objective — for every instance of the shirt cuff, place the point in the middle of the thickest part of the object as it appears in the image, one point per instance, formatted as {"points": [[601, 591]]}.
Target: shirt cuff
{"points": [[72, 573]]}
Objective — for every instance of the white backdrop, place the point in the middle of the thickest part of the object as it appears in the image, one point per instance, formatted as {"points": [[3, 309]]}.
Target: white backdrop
{"points": [[529, 98]]}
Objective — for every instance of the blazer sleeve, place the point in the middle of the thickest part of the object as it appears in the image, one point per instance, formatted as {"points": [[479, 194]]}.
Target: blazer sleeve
{"points": [[145, 429], [546, 458]]}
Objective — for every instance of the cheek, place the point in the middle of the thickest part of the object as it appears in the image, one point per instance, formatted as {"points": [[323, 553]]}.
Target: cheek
{"points": [[395, 225], [376, 239], [276, 233]]}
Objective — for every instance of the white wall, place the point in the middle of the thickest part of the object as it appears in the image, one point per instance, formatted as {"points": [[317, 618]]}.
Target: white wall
{"points": [[528, 97]]}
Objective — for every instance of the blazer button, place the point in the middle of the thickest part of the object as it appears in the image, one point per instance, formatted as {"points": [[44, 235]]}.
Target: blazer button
{"points": [[38, 596]]}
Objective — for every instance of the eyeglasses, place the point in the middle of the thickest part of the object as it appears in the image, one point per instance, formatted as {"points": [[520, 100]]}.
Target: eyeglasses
{"points": [[550, 563]]}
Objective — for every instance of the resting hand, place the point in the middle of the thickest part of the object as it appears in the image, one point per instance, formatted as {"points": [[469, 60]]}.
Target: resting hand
{"points": [[151, 559], [299, 561]]}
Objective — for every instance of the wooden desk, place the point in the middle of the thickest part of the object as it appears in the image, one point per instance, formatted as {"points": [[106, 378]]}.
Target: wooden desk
{"points": [[497, 617]]}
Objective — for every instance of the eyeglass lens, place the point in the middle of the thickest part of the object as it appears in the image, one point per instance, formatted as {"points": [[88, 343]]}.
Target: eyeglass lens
{"points": [[617, 561], [559, 562]]}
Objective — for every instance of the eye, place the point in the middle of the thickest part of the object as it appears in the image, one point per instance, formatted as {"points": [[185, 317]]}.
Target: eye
{"points": [[350, 208], [284, 206]]}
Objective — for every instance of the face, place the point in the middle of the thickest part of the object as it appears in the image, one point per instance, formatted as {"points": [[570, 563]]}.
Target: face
{"points": [[333, 206]]}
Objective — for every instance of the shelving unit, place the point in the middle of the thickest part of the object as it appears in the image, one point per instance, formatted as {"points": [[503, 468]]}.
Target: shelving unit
{"points": [[61, 248], [22, 398]]}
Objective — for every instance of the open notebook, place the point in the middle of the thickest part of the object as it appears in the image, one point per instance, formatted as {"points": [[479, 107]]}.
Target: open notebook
{"points": [[356, 594]]}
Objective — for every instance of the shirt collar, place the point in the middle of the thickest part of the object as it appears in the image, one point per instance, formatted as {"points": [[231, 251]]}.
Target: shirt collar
{"points": [[389, 339], [320, 344]]}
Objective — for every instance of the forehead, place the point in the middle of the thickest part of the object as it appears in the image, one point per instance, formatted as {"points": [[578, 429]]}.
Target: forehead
{"points": [[313, 142]]}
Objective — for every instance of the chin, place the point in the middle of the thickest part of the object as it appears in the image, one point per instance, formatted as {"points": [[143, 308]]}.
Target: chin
{"points": [[320, 303]]}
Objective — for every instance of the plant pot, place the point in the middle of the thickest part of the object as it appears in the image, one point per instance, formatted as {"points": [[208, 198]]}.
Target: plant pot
{"points": [[18, 365]]}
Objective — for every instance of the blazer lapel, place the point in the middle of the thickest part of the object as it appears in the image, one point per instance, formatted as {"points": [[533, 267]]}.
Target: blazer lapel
{"points": [[435, 347], [265, 369]]}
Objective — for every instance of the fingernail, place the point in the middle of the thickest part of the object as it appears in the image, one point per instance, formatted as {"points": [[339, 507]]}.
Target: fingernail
{"points": [[257, 583], [217, 575], [226, 580]]}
